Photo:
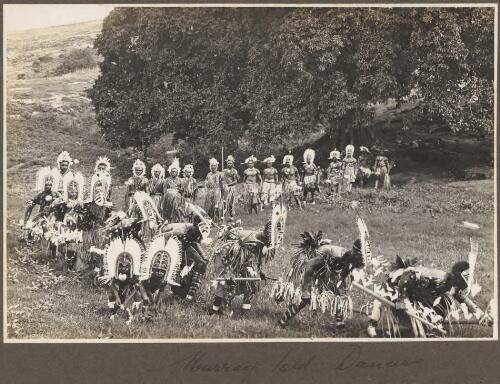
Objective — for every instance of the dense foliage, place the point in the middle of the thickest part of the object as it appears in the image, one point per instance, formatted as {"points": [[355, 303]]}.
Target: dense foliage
{"points": [[264, 79]]}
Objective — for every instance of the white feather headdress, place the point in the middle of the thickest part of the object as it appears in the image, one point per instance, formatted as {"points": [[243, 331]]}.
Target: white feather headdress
{"points": [[44, 174], [175, 165], [147, 206], [103, 160], [309, 152], [270, 159], [139, 164], [230, 158], [117, 247], [213, 161], [157, 167], [64, 156], [251, 158], [334, 155], [166, 254], [349, 149], [288, 158], [75, 181]]}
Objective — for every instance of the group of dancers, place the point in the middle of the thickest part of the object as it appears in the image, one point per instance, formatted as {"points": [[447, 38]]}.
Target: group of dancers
{"points": [[164, 239]]}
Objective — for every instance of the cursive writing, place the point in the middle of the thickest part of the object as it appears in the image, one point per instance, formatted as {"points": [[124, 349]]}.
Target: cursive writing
{"points": [[354, 360]]}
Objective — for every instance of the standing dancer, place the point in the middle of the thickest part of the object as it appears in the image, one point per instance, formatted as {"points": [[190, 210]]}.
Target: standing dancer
{"points": [[335, 172], [270, 180], [137, 182], [310, 176], [64, 163], [214, 182], [253, 184], [349, 167], [188, 185], [157, 184], [173, 180], [382, 169], [291, 177], [231, 178]]}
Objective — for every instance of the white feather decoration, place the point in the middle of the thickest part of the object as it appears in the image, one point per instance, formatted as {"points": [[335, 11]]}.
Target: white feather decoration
{"points": [[474, 250], [365, 241]]}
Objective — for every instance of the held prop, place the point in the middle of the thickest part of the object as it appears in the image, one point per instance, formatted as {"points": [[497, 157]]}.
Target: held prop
{"points": [[392, 305]]}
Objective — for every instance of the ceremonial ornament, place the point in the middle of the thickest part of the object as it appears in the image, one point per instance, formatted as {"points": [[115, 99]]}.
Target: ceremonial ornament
{"points": [[99, 187], [166, 256], [44, 175], [123, 253], [64, 156], [270, 159], [288, 159], [278, 224], [157, 167], [102, 160], [147, 206], [175, 165], [251, 159], [334, 155], [74, 183], [349, 149], [139, 164], [188, 168], [309, 153]]}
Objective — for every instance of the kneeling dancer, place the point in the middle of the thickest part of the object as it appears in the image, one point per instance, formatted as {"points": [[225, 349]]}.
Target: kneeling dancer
{"points": [[324, 272], [242, 254]]}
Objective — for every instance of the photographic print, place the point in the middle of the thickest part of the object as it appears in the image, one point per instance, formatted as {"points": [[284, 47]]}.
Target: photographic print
{"points": [[236, 173]]}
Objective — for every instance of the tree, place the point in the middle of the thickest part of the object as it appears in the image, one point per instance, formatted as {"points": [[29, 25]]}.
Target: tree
{"points": [[263, 80]]}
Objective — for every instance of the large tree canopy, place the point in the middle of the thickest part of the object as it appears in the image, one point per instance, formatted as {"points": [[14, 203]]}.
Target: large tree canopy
{"points": [[262, 80]]}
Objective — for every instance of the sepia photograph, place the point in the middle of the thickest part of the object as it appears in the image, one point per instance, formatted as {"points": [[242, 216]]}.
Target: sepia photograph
{"points": [[249, 173]]}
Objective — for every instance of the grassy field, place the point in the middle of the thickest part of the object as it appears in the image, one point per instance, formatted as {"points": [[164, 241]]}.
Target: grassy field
{"points": [[44, 303], [47, 114]]}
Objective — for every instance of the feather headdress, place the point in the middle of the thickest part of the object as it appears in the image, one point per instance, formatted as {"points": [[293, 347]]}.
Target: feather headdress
{"points": [[147, 206], [175, 165], [250, 159], [270, 159], [157, 167], [103, 160], [349, 149], [45, 174], [205, 222], [213, 161], [334, 155], [288, 159], [64, 156], [139, 164], [129, 249], [309, 153], [230, 158], [165, 255], [77, 181]]}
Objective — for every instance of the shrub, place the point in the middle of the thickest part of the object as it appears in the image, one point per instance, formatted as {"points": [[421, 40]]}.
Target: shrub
{"points": [[76, 59]]}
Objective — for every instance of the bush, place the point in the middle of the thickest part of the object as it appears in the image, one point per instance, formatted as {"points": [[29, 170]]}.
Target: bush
{"points": [[76, 59]]}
